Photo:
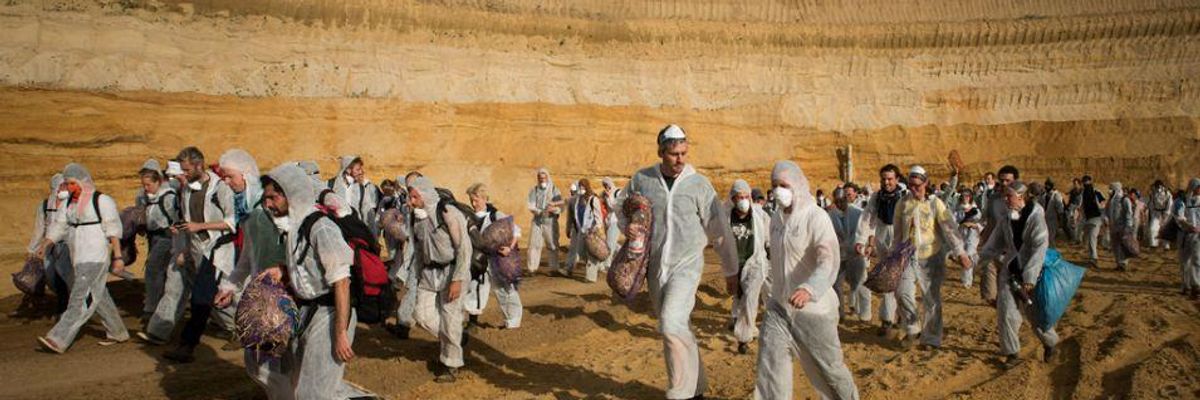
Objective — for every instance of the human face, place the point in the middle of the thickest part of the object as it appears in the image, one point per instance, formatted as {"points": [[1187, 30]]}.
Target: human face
{"points": [[851, 194], [674, 158], [193, 171], [479, 203], [356, 171], [74, 187], [888, 180], [149, 185], [234, 179], [275, 201], [414, 198], [918, 186], [1014, 200], [1007, 179]]}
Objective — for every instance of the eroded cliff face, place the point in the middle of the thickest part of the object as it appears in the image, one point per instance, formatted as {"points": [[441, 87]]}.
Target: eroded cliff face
{"points": [[490, 90]]}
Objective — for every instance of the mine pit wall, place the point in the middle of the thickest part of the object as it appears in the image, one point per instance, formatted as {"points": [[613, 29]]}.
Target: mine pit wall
{"points": [[472, 91]]}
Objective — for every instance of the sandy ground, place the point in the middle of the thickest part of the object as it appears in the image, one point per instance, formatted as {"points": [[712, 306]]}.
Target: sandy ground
{"points": [[1127, 335]]}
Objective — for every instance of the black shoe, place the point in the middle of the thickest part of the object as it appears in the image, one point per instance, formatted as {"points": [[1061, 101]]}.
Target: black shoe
{"points": [[399, 331], [472, 321], [448, 375], [1011, 361], [1048, 353], [883, 329], [743, 348], [182, 354]]}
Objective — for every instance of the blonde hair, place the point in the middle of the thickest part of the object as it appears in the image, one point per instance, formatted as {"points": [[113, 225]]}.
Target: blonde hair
{"points": [[478, 190]]}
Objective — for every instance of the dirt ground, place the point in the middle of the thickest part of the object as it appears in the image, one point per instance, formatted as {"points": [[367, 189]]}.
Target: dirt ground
{"points": [[1126, 335]]}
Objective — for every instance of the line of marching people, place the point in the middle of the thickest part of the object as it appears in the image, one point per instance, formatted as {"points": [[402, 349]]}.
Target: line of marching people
{"points": [[801, 259]]}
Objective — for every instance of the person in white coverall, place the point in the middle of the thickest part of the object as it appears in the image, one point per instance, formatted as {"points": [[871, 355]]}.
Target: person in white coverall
{"points": [[91, 227], [853, 269], [477, 289], [802, 308], [57, 261], [545, 202], [749, 225], [317, 270], [442, 258], [360, 194], [686, 210], [1019, 243], [875, 234], [1188, 218], [927, 223]]}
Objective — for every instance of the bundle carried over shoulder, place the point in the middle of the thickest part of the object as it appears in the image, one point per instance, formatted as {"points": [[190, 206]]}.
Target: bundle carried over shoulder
{"points": [[1055, 288], [267, 317], [393, 225], [628, 272], [885, 276], [597, 243], [133, 223], [497, 235]]}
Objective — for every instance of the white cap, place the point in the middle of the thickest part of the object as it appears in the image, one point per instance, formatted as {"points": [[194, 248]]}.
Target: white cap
{"points": [[174, 169], [671, 132], [918, 170]]}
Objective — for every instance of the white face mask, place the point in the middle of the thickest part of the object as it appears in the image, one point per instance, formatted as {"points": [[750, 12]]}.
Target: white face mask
{"points": [[281, 223], [194, 185], [783, 197], [349, 179], [542, 185], [63, 195], [420, 213], [1014, 214], [743, 205]]}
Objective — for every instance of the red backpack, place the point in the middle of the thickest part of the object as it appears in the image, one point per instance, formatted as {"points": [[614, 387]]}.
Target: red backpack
{"points": [[370, 287]]}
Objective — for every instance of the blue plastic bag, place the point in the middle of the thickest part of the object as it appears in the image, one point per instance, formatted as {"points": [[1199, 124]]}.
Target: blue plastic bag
{"points": [[1055, 288]]}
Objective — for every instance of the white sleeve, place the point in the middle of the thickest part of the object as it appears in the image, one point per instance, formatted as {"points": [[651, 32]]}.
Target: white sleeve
{"points": [[331, 250], [719, 234], [57, 231], [110, 217], [825, 243], [39, 229]]}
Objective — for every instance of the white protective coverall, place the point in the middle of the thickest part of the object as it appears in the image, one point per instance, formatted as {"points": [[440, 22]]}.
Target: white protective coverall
{"points": [[544, 231], [506, 294], [441, 254], [86, 230], [804, 256], [314, 264], [686, 219], [1002, 246], [753, 274]]}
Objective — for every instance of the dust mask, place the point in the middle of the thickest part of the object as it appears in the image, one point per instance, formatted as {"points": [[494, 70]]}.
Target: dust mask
{"points": [[1014, 215], [743, 205], [194, 185], [783, 197], [281, 223], [542, 185], [63, 195], [420, 213]]}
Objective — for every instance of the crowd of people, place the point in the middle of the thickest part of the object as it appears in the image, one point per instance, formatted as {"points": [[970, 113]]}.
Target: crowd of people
{"points": [[800, 258]]}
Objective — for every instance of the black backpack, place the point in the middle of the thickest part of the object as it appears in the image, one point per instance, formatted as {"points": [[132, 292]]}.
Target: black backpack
{"points": [[370, 287]]}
